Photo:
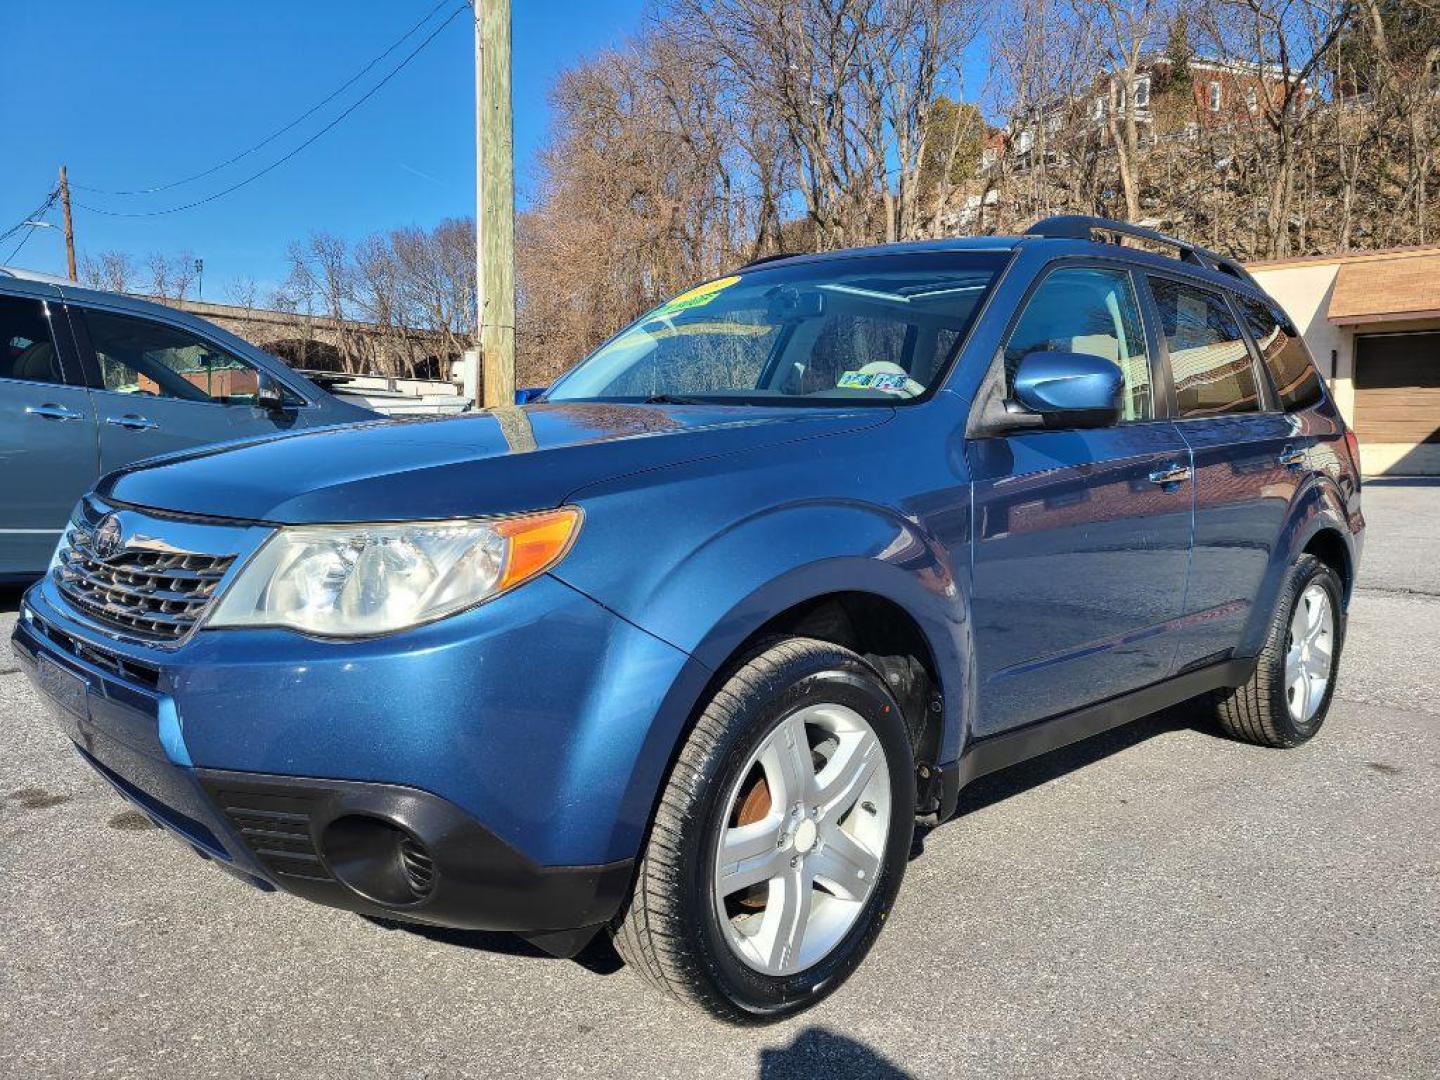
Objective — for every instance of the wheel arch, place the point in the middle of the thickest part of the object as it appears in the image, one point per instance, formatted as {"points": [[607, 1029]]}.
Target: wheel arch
{"points": [[886, 634], [1315, 525]]}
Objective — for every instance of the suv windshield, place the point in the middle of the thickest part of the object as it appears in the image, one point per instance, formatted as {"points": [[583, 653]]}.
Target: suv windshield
{"points": [[879, 328]]}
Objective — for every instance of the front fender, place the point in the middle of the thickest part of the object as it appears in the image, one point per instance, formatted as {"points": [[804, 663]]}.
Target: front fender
{"points": [[739, 570]]}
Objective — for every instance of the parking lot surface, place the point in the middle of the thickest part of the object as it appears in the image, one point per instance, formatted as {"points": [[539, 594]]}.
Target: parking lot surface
{"points": [[1156, 902]]}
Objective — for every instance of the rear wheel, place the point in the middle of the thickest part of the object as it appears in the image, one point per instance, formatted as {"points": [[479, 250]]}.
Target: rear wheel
{"points": [[780, 840], [1287, 697]]}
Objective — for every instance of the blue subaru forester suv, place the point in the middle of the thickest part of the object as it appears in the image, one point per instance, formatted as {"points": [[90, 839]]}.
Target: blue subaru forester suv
{"points": [[684, 650]]}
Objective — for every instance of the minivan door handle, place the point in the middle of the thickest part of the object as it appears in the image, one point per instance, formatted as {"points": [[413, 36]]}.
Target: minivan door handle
{"points": [[132, 422], [51, 411], [1291, 457], [1171, 474]]}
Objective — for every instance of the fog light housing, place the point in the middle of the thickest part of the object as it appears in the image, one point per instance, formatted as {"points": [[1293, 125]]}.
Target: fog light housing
{"points": [[379, 860]]}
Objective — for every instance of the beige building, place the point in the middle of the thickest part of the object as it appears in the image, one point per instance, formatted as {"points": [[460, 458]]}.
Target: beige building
{"points": [[1372, 320]]}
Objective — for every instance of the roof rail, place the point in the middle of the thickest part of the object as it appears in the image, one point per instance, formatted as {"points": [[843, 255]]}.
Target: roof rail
{"points": [[1084, 227]]}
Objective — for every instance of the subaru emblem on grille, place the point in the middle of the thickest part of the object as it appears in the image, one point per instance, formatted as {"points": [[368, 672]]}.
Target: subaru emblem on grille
{"points": [[109, 538]]}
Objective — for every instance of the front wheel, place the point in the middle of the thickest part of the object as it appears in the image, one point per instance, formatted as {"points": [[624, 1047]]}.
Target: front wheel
{"points": [[1285, 700], [780, 840]]}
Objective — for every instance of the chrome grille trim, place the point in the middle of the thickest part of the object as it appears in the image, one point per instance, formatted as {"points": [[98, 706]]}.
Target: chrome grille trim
{"points": [[153, 593]]}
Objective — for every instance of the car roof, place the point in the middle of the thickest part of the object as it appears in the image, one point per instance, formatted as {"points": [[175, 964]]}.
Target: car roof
{"points": [[115, 300], [1070, 236], [32, 275]]}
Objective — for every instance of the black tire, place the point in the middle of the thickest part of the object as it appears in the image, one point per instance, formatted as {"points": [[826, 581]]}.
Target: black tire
{"points": [[670, 933], [1258, 711]]}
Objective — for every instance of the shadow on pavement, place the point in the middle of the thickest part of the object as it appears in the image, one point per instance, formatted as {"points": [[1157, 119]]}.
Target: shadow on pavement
{"points": [[999, 786], [10, 597], [817, 1052], [598, 957], [1402, 481]]}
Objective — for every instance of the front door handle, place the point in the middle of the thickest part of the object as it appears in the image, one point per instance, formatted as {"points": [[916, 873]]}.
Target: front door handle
{"points": [[1292, 457], [132, 422], [1171, 474], [51, 411]]}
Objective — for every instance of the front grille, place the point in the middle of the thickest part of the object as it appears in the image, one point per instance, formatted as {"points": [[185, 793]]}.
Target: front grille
{"points": [[130, 670], [152, 593]]}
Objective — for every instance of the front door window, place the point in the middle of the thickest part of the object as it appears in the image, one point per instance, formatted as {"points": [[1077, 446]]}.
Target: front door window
{"points": [[151, 359], [1088, 310]]}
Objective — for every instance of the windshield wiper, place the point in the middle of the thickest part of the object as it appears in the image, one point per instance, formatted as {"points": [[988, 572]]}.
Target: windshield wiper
{"points": [[671, 399]]}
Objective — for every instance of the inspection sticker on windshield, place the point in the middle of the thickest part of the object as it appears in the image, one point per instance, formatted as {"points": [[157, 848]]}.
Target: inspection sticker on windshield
{"points": [[880, 380], [698, 296]]}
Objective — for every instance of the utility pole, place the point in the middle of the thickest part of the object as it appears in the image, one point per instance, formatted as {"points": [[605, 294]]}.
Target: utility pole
{"points": [[495, 203], [69, 227]]}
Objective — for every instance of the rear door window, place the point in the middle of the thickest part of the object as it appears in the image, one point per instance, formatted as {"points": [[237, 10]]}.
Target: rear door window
{"points": [[1294, 375], [27, 346], [1210, 364]]}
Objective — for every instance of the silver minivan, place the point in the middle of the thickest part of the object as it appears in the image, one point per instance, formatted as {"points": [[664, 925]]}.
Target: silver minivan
{"points": [[91, 381]]}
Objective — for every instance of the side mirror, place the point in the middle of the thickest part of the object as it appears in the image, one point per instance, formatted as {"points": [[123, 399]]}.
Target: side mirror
{"points": [[526, 394], [1068, 389], [270, 395]]}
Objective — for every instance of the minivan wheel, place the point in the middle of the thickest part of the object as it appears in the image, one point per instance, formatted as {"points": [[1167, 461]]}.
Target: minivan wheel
{"points": [[780, 839], [1286, 698]]}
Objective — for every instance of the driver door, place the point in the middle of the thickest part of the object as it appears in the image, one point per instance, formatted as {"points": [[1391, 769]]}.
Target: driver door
{"points": [[159, 387], [1082, 538]]}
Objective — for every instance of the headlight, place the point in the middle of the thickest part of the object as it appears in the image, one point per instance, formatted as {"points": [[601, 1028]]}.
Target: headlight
{"points": [[361, 580]]}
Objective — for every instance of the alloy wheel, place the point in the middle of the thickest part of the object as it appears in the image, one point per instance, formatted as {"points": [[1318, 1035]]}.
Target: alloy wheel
{"points": [[804, 838], [1309, 654]]}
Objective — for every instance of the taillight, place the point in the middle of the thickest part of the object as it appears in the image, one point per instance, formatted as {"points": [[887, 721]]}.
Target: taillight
{"points": [[1352, 443]]}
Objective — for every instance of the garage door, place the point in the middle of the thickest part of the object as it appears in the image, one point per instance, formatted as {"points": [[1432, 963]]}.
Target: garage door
{"points": [[1397, 388]]}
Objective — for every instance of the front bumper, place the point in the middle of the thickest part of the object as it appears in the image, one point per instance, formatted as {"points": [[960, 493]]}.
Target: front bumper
{"points": [[518, 748]]}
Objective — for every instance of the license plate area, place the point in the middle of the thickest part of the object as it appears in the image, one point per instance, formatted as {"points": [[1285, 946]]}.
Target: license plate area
{"points": [[63, 687]]}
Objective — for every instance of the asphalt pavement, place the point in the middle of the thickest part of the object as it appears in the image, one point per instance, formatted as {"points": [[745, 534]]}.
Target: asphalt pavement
{"points": [[1157, 902]]}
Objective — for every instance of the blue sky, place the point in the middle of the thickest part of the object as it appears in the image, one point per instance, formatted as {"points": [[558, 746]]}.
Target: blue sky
{"points": [[139, 94]]}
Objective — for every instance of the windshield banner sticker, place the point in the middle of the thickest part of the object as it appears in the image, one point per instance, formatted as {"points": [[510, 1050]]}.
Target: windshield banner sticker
{"points": [[697, 297]]}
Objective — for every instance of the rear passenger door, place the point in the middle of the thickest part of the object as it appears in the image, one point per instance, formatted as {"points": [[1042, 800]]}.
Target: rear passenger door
{"points": [[1248, 458], [1081, 537], [47, 432]]}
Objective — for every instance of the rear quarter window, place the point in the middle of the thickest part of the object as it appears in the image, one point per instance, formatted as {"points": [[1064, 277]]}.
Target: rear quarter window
{"points": [[1296, 381]]}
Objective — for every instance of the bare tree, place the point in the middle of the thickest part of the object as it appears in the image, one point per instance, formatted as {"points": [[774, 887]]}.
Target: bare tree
{"points": [[170, 277], [1291, 40], [1124, 34], [245, 291], [113, 271]]}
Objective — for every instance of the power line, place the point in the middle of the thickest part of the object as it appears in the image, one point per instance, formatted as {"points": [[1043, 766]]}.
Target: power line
{"points": [[281, 131], [38, 215], [281, 161], [40, 210]]}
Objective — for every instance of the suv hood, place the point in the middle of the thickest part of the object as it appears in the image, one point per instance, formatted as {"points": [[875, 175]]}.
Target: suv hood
{"points": [[494, 462]]}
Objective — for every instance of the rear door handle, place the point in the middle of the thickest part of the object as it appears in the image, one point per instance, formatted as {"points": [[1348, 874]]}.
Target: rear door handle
{"points": [[1171, 474], [132, 422], [50, 411], [1291, 457]]}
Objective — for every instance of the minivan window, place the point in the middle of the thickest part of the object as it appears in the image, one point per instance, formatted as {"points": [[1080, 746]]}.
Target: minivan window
{"points": [[27, 349], [1295, 378], [1088, 310], [877, 329], [151, 359], [1210, 363]]}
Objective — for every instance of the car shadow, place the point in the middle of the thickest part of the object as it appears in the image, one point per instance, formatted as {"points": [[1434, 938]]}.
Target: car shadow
{"points": [[817, 1052], [10, 598], [598, 957], [1017, 779]]}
